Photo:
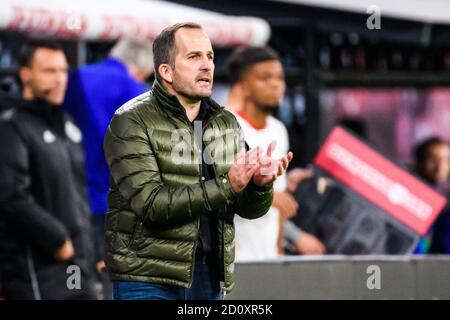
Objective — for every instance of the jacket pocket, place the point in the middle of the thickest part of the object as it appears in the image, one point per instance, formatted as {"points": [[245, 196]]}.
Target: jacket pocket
{"points": [[136, 232]]}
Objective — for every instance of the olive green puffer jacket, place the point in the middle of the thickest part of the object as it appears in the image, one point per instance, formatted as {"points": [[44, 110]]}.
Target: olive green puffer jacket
{"points": [[157, 195]]}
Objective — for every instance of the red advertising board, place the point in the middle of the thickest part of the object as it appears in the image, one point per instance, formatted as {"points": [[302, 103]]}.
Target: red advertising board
{"points": [[380, 181]]}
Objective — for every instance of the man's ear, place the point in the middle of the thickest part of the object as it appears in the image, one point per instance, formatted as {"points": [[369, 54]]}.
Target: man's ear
{"points": [[166, 72], [25, 75], [237, 88], [245, 90]]}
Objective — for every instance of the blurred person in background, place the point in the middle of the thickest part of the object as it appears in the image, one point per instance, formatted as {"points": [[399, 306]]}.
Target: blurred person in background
{"points": [[94, 93], [432, 164], [257, 88], [45, 223]]}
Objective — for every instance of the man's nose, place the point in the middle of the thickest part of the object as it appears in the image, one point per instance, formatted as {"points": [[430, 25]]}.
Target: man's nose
{"points": [[206, 64], [278, 84]]}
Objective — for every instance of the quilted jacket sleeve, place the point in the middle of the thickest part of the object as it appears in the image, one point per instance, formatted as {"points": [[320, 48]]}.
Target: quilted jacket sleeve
{"points": [[254, 201]]}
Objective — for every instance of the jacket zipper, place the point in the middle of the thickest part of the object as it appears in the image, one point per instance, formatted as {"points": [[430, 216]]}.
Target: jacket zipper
{"points": [[201, 175], [222, 290], [198, 220], [193, 254], [222, 249]]}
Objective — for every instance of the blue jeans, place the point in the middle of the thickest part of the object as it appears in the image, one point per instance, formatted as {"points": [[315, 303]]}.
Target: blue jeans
{"points": [[205, 286]]}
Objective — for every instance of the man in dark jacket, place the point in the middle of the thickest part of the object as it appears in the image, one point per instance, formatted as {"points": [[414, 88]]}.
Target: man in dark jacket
{"points": [[432, 160], [46, 243], [174, 185]]}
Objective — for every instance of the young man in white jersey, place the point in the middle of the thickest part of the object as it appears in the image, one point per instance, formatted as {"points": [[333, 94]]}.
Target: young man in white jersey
{"points": [[257, 89]]}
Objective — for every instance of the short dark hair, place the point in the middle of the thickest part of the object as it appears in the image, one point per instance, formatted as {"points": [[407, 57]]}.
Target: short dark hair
{"points": [[421, 150], [29, 48], [244, 57], [164, 48]]}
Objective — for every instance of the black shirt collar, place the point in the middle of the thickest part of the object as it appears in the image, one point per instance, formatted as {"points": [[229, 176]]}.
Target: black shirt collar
{"points": [[171, 105]]}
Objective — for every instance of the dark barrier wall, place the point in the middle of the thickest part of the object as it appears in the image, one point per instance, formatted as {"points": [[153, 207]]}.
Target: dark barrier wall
{"points": [[344, 277]]}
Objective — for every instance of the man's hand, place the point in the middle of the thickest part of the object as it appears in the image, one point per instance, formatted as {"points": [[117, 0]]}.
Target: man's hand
{"points": [[270, 169], [243, 168], [296, 176], [65, 251], [286, 203], [100, 266], [309, 244]]}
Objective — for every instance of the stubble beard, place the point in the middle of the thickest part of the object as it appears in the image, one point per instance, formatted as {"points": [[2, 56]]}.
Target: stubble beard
{"points": [[184, 90]]}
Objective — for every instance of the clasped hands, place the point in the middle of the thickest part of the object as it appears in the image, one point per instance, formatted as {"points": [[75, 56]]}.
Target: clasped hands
{"points": [[257, 165]]}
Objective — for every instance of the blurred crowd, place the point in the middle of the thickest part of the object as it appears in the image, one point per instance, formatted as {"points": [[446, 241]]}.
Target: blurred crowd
{"points": [[55, 180]]}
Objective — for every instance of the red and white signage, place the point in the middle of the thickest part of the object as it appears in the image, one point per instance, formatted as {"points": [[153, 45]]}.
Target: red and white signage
{"points": [[112, 19], [380, 181]]}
